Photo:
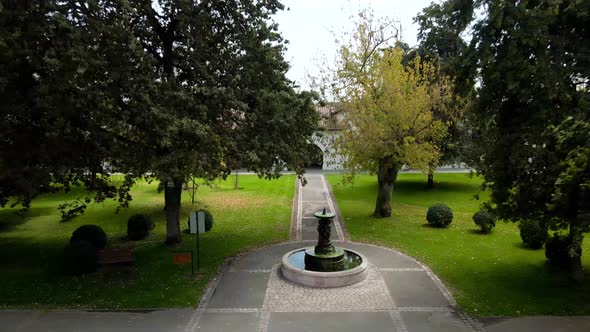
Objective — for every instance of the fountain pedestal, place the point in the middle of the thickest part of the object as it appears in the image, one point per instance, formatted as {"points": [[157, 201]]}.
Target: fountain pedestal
{"points": [[324, 257], [324, 265]]}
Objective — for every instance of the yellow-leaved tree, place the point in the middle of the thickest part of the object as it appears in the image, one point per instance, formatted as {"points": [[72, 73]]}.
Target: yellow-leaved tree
{"points": [[389, 119]]}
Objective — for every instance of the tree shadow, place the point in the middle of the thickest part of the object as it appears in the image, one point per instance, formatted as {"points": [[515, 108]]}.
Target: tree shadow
{"points": [[478, 232], [427, 225], [10, 219], [522, 245], [411, 186]]}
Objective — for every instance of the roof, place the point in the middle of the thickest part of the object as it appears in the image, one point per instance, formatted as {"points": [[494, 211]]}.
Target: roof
{"points": [[328, 116]]}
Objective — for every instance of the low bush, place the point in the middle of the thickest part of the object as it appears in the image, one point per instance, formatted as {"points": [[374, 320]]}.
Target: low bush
{"points": [[139, 227], [80, 258], [90, 233], [439, 215], [532, 233], [484, 220], [557, 251]]}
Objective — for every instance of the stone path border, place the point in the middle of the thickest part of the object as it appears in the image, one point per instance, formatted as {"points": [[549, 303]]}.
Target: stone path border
{"points": [[318, 188], [295, 211]]}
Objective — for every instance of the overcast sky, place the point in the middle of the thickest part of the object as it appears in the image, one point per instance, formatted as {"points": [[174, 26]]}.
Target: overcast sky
{"points": [[308, 25]]}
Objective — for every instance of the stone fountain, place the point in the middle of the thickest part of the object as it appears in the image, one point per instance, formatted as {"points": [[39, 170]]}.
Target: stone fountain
{"points": [[324, 265]]}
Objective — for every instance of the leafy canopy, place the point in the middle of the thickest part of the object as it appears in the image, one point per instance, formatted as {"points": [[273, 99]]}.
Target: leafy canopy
{"points": [[165, 90], [388, 101]]}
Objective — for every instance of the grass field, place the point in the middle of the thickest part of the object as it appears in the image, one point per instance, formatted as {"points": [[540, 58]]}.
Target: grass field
{"points": [[489, 275], [31, 246]]}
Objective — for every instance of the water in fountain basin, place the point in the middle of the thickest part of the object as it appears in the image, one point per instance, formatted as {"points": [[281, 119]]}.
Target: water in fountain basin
{"points": [[351, 260]]}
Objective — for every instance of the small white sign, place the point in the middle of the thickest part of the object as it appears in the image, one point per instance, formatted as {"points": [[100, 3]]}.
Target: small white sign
{"points": [[192, 222], [201, 221]]}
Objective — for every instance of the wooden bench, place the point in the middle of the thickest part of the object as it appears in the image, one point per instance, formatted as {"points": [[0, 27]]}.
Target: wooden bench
{"points": [[115, 256]]}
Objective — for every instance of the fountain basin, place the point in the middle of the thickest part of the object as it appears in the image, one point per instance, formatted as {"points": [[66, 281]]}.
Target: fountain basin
{"points": [[354, 270]]}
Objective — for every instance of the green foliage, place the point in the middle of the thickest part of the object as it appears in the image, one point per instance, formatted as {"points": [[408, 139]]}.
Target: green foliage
{"points": [[558, 250], [389, 104], [92, 234], [139, 227], [530, 117], [188, 89], [523, 285], [484, 220], [439, 215], [532, 233], [80, 258], [31, 249]]}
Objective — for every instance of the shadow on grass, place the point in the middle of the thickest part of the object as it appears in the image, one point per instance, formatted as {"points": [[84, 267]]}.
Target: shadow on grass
{"points": [[478, 232], [427, 225], [522, 245], [533, 287], [11, 218], [413, 186]]}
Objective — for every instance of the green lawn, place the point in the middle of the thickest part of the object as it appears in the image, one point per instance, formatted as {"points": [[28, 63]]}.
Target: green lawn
{"points": [[31, 246], [489, 275]]}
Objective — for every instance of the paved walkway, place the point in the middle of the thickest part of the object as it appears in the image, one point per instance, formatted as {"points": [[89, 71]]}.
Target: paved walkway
{"points": [[311, 198], [400, 294]]}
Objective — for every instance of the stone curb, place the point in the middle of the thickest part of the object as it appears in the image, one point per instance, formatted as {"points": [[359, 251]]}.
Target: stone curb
{"points": [[339, 218], [294, 212]]}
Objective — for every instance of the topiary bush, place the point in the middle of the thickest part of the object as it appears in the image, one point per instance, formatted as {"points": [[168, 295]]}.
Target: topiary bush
{"points": [[557, 251], [484, 220], [439, 215], [532, 233], [80, 258], [91, 233], [139, 227]]}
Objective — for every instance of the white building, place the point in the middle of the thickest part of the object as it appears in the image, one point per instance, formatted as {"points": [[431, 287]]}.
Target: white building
{"points": [[331, 117]]}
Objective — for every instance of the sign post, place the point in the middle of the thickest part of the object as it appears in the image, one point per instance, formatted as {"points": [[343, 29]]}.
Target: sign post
{"points": [[185, 258], [196, 225], [200, 229]]}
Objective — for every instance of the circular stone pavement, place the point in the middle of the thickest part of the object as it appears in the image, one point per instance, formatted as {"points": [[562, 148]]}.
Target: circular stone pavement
{"points": [[399, 294]]}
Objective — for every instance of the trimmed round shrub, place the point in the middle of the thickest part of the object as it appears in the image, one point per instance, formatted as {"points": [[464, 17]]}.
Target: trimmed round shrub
{"points": [[557, 250], [139, 227], [484, 220], [532, 233], [439, 215], [90, 233], [80, 258]]}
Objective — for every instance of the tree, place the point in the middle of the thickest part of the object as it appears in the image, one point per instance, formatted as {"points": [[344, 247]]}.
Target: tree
{"points": [[62, 79], [440, 41], [176, 84], [388, 119], [531, 111], [452, 146]]}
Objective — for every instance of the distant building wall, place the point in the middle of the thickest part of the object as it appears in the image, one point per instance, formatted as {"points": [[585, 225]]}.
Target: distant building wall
{"points": [[325, 141]]}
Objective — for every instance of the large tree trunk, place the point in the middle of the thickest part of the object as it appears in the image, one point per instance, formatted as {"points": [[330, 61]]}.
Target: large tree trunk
{"points": [[430, 183], [386, 176], [172, 196]]}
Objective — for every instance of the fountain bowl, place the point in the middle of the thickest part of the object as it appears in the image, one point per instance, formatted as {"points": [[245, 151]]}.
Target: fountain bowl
{"points": [[293, 269]]}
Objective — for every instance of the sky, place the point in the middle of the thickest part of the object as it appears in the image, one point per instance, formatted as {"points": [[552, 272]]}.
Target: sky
{"points": [[310, 25]]}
